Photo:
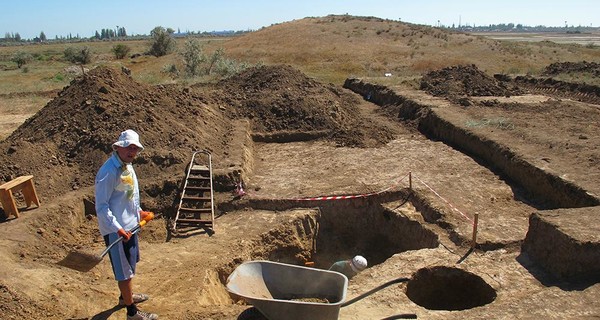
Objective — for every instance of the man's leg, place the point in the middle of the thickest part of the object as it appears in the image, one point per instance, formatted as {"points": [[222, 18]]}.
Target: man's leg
{"points": [[126, 288]]}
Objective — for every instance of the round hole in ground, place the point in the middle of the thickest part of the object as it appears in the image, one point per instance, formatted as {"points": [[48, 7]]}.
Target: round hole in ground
{"points": [[446, 288], [368, 229]]}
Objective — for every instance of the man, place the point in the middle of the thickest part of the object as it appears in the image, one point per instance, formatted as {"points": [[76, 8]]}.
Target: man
{"points": [[118, 210], [350, 267]]}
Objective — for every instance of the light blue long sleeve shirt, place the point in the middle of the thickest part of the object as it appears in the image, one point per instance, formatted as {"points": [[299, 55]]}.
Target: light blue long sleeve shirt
{"points": [[117, 196], [344, 268]]}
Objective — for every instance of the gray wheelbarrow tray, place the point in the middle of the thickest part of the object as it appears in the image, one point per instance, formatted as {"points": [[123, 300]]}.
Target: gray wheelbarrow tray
{"points": [[271, 286]]}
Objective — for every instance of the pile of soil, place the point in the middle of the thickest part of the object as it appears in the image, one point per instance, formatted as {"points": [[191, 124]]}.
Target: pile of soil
{"points": [[281, 98], [65, 143], [558, 68], [463, 80]]}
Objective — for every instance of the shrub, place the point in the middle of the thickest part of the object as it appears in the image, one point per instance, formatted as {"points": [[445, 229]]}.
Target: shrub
{"points": [[172, 70], [162, 43], [192, 57], [79, 55], [21, 58], [120, 50], [214, 59]]}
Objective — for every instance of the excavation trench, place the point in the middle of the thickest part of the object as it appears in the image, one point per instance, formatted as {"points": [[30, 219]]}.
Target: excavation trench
{"points": [[542, 186], [340, 230], [344, 229]]}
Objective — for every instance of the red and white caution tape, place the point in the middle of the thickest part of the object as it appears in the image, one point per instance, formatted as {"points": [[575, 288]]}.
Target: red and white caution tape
{"points": [[354, 196], [448, 202]]}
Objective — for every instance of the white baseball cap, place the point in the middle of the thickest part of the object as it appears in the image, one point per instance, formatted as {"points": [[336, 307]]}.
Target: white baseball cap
{"points": [[358, 264], [128, 137]]}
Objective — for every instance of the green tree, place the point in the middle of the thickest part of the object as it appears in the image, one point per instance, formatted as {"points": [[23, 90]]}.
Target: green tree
{"points": [[121, 50], [21, 58], [215, 58], [42, 36], [192, 57], [79, 55], [121, 32], [162, 42]]}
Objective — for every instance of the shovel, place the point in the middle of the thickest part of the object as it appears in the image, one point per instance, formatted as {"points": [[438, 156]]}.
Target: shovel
{"points": [[83, 261]]}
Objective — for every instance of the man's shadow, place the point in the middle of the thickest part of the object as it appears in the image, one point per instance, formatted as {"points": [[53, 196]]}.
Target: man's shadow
{"points": [[107, 313]]}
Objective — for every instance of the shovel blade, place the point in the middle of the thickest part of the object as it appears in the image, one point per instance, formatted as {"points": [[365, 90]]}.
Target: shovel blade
{"points": [[80, 261]]}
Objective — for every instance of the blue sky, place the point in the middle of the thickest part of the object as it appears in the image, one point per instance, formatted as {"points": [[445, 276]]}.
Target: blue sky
{"points": [[61, 17]]}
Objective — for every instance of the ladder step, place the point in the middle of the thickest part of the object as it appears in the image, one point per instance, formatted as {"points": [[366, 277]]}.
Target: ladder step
{"points": [[182, 209], [198, 167], [194, 221], [196, 198], [198, 178], [193, 188]]}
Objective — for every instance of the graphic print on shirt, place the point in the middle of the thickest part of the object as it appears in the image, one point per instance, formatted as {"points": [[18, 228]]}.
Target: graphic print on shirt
{"points": [[126, 184]]}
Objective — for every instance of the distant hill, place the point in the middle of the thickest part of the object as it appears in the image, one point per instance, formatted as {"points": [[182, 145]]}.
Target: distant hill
{"points": [[338, 46]]}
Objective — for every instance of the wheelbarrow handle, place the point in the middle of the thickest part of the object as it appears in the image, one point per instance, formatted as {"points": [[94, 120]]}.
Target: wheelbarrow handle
{"points": [[133, 231], [370, 292]]}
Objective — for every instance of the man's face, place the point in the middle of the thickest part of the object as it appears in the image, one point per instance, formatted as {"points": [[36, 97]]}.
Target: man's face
{"points": [[127, 154]]}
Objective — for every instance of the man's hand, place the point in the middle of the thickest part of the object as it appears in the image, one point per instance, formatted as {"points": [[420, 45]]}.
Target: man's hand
{"points": [[146, 215], [125, 234]]}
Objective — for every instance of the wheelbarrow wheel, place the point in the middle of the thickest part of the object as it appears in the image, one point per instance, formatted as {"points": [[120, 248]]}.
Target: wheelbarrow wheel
{"points": [[251, 314]]}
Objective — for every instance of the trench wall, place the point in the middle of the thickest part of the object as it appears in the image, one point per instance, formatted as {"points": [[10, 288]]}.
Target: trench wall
{"points": [[355, 226], [241, 159], [543, 186], [573, 256], [292, 243], [369, 229]]}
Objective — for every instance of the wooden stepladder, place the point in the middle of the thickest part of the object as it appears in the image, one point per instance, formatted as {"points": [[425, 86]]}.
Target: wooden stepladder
{"points": [[196, 206], [23, 184]]}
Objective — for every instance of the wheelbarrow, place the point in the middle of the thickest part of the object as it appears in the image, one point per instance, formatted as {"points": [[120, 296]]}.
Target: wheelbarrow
{"points": [[290, 292]]}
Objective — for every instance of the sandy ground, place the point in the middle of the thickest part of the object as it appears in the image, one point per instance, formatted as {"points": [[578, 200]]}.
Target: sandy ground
{"points": [[185, 272]]}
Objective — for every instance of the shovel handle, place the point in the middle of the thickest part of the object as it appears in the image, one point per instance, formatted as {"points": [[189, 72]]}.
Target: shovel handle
{"points": [[133, 231], [370, 292]]}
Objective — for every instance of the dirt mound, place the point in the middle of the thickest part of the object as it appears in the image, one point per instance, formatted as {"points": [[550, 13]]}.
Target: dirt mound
{"points": [[281, 98], [463, 80], [558, 68], [66, 141], [560, 89]]}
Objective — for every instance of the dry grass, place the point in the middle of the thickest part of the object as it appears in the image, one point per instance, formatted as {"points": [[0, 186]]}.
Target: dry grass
{"points": [[15, 110], [330, 49], [336, 47]]}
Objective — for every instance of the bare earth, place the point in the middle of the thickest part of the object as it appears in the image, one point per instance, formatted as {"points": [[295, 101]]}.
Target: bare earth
{"points": [[260, 126]]}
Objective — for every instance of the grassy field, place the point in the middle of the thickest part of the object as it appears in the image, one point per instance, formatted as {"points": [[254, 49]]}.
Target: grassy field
{"points": [[330, 49], [583, 39], [49, 70]]}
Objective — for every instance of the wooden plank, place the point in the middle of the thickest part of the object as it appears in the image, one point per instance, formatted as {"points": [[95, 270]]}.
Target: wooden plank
{"points": [[30, 194], [15, 182], [199, 167], [8, 203], [196, 198], [206, 210], [194, 221]]}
